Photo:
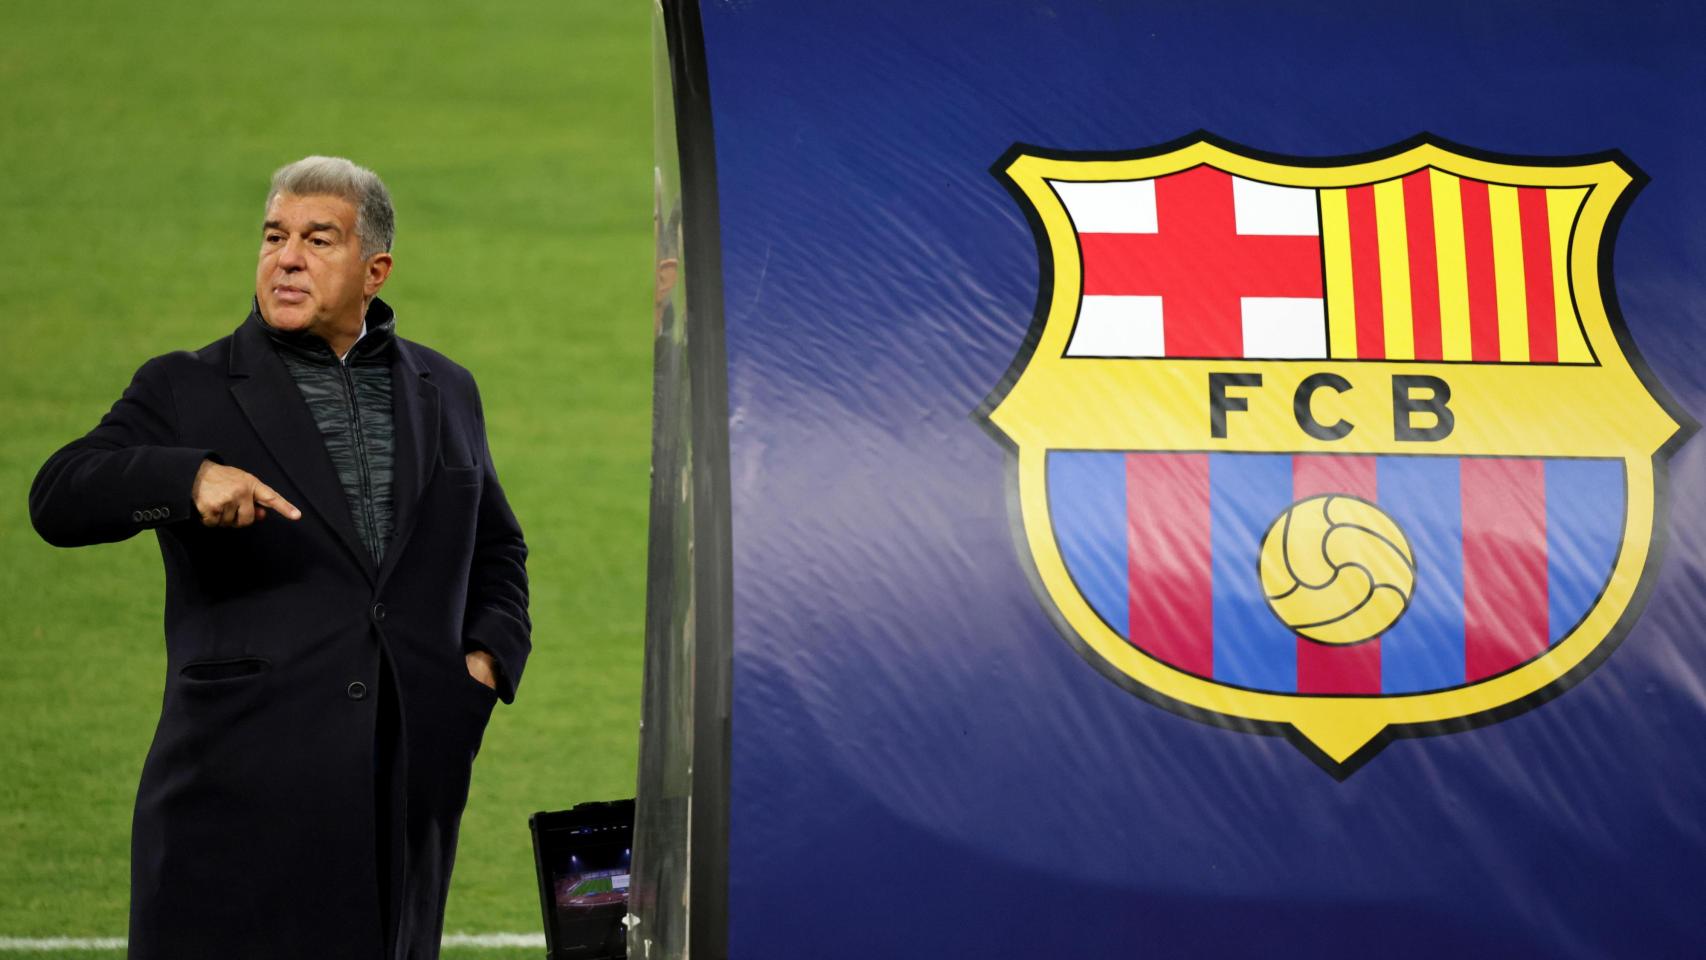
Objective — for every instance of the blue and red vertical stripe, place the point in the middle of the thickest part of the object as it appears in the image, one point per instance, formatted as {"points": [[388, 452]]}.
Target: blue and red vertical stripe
{"points": [[1511, 553]]}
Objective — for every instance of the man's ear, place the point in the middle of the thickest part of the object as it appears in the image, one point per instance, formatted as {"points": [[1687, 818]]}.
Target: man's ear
{"points": [[378, 271]]}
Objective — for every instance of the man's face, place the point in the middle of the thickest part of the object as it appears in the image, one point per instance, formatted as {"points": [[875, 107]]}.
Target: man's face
{"points": [[311, 274]]}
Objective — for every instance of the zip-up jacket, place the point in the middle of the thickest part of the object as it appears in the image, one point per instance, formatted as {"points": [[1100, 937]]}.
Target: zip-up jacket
{"points": [[351, 403]]}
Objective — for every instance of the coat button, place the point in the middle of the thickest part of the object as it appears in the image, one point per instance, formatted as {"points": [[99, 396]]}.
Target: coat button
{"points": [[357, 690], [378, 612]]}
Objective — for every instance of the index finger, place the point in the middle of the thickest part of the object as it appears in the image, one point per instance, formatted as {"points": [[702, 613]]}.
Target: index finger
{"points": [[270, 497]]}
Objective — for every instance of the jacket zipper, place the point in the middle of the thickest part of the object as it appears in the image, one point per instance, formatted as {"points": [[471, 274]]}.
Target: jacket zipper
{"points": [[361, 463]]}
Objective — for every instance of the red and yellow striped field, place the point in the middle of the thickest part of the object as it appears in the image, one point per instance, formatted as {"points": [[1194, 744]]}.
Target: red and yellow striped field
{"points": [[1432, 266]]}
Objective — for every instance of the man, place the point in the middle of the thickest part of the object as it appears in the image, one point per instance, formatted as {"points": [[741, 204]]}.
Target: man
{"points": [[346, 596]]}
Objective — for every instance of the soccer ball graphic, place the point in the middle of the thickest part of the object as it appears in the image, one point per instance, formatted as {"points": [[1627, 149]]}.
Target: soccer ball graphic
{"points": [[1336, 569]]}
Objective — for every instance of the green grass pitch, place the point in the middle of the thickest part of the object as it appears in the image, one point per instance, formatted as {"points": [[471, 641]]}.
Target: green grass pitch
{"points": [[137, 143], [587, 888]]}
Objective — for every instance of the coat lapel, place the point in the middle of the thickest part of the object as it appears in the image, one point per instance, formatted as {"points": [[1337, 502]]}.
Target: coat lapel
{"points": [[275, 408], [414, 401]]}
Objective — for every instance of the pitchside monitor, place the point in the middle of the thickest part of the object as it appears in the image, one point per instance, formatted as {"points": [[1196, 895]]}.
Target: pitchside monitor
{"points": [[584, 856]]}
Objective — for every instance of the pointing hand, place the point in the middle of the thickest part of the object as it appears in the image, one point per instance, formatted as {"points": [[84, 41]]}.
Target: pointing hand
{"points": [[229, 497]]}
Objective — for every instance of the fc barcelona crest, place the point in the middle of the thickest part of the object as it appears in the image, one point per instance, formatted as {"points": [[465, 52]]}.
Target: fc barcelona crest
{"points": [[1343, 450]]}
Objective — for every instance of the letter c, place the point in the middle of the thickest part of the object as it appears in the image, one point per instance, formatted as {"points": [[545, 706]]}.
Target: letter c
{"points": [[1302, 409]]}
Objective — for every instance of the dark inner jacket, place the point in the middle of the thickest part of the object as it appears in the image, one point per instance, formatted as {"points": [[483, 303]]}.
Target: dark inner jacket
{"points": [[351, 403]]}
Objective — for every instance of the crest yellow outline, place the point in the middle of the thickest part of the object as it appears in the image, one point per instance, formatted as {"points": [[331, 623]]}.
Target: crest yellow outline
{"points": [[1610, 409]]}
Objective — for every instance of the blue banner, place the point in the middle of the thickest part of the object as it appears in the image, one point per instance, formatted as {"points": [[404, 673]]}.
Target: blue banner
{"points": [[1210, 480]]}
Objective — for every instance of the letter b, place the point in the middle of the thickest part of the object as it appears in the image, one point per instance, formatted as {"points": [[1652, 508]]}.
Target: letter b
{"points": [[1405, 407]]}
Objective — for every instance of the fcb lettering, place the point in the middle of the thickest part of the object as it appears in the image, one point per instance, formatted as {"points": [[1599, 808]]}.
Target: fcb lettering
{"points": [[1412, 395], [1338, 450]]}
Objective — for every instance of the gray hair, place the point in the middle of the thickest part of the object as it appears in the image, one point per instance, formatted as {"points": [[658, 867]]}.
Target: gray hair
{"points": [[375, 223]]}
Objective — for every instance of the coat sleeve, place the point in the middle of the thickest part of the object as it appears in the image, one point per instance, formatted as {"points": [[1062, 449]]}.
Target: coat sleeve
{"points": [[127, 475], [496, 620]]}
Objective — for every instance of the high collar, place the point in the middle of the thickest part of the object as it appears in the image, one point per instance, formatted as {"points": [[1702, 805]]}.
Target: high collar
{"points": [[374, 347]]}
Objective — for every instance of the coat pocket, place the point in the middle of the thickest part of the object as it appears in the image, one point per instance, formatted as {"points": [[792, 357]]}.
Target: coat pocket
{"points": [[481, 692], [214, 671], [461, 476]]}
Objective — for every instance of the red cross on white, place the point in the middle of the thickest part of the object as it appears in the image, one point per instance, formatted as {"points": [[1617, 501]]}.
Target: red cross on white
{"points": [[1197, 264]]}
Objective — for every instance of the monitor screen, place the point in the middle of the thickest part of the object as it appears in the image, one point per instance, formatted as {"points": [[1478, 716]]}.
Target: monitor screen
{"points": [[584, 857]]}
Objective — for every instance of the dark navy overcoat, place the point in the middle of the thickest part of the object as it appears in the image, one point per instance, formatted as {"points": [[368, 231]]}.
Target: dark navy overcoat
{"points": [[256, 817]]}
